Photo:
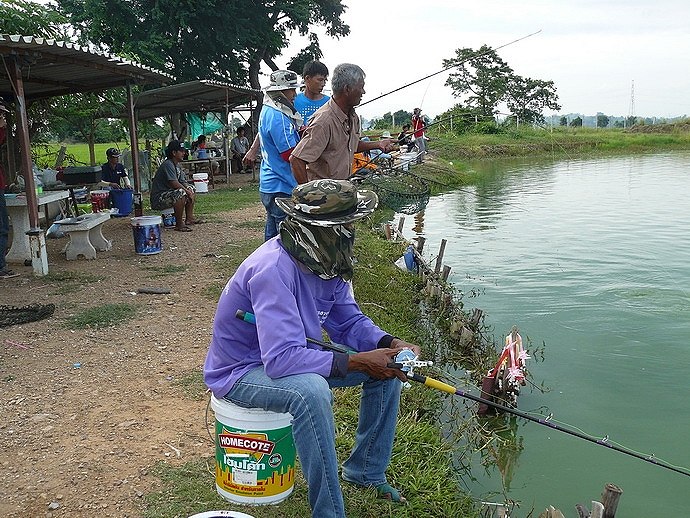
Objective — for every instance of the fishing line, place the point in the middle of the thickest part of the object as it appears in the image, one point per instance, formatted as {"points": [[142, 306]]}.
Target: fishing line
{"points": [[475, 56]]}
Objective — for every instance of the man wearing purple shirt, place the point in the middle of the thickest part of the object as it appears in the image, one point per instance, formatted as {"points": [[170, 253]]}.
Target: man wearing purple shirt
{"points": [[296, 285]]}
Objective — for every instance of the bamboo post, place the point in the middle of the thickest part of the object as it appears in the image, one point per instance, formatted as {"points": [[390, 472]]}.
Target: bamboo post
{"points": [[60, 157], [401, 224], [597, 509], [439, 258], [388, 231], [445, 273], [420, 243], [609, 498]]}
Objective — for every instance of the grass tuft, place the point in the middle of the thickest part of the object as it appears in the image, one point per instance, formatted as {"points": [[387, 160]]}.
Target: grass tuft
{"points": [[71, 282], [102, 316]]}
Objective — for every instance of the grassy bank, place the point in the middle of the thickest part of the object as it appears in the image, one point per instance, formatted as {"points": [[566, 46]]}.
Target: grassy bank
{"points": [[506, 142], [558, 141]]}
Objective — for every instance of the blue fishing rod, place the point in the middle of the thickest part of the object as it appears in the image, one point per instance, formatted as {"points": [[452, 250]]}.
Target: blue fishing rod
{"points": [[407, 362]]}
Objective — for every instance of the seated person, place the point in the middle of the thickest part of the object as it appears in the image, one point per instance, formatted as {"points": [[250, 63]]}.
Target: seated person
{"points": [[170, 188], [239, 147], [296, 284], [113, 173], [405, 138]]}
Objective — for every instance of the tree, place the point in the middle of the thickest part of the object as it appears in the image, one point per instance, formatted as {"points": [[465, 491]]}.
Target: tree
{"points": [[576, 122], [83, 112], [482, 74], [31, 19], [602, 120], [563, 121], [527, 98], [225, 40], [208, 39], [630, 121]]}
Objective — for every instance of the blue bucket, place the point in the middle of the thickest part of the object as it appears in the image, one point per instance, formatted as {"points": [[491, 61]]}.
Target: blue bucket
{"points": [[147, 234], [122, 200]]}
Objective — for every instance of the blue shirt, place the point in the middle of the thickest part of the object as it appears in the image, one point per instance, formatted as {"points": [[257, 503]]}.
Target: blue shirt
{"points": [[306, 107], [290, 303], [277, 134]]}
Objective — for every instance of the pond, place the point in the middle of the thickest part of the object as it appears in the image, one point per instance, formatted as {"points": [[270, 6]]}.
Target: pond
{"points": [[590, 257]]}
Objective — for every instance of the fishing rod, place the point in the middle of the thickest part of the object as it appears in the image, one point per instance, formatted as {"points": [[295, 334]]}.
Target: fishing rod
{"points": [[451, 66], [407, 362]]}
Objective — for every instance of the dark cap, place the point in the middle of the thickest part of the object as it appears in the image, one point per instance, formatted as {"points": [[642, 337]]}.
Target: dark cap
{"points": [[174, 145], [113, 152]]}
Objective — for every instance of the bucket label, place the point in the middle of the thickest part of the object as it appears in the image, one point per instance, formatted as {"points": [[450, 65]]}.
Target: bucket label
{"points": [[254, 463]]}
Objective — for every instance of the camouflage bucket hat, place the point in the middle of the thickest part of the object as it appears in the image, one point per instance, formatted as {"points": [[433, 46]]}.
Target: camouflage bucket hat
{"points": [[326, 203]]}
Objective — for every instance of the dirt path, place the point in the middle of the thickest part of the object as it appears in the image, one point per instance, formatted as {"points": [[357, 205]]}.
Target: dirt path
{"points": [[85, 414]]}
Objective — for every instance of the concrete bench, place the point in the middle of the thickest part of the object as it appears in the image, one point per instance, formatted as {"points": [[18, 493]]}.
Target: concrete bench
{"points": [[86, 236]]}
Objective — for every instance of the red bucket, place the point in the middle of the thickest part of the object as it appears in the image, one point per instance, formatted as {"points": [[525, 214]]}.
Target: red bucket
{"points": [[100, 200]]}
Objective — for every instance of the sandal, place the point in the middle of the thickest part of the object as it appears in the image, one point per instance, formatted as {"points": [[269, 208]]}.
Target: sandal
{"points": [[183, 229], [194, 222], [388, 492]]}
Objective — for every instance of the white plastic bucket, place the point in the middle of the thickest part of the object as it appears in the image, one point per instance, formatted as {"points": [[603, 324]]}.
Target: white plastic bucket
{"points": [[146, 231], [200, 182], [406, 159], [255, 454]]}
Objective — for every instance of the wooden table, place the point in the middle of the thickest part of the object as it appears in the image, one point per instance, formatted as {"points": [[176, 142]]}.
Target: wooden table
{"points": [[193, 163], [17, 209]]}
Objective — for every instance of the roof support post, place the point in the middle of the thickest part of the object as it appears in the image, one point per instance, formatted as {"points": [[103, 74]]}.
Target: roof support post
{"points": [[226, 139], [39, 254], [134, 140]]}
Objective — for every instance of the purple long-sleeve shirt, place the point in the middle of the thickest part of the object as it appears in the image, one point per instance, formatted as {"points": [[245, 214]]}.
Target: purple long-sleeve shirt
{"points": [[290, 303]]}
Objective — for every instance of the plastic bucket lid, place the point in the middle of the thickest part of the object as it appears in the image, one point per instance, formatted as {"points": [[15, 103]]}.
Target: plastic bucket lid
{"points": [[221, 514]]}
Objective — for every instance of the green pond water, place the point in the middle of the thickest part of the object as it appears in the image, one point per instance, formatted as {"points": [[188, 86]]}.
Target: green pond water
{"points": [[592, 258]]}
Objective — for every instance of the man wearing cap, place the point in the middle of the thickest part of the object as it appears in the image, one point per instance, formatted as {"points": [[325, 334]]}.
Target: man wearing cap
{"points": [[278, 125], [113, 173], [314, 75], [332, 137], [295, 285], [4, 216], [170, 188]]}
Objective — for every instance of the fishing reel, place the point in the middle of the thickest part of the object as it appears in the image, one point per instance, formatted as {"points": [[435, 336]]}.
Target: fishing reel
{"points": [[406, 360]]}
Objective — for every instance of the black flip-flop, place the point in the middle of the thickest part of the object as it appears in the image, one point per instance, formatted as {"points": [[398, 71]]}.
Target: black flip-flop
{"points": [[183, 229]]}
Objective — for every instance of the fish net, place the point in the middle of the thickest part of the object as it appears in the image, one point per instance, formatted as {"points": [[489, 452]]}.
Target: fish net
{"points": [[399, 190]]}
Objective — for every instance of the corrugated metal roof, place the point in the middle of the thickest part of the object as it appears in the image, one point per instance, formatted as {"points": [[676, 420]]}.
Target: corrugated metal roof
{"points": [[193, 96], [52, 67]]}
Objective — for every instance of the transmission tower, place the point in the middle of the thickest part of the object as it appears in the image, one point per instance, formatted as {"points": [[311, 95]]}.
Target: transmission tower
{"points": [[631, 110]]}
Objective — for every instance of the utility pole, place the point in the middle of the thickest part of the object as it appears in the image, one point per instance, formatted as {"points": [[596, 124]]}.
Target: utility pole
{"points": [[631, 110]]}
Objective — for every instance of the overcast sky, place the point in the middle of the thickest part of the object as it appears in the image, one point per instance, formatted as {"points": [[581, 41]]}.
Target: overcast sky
{"points": [[592, 50]]}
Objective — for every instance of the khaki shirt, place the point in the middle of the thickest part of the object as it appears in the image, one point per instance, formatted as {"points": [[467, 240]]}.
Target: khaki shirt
{"points": [[329, 143]]}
